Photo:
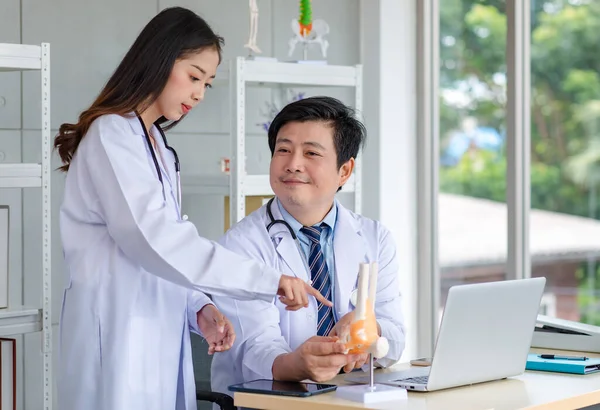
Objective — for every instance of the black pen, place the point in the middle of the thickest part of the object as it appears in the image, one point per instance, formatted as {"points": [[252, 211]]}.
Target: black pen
{"points": [[558, 357]]}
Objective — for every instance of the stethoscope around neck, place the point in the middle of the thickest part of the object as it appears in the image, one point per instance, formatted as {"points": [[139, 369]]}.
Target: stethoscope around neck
{"points": [[155, 160], [273, 221]]}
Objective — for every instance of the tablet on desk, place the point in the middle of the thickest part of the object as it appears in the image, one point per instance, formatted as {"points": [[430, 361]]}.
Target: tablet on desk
{"points": [[279, 388]]}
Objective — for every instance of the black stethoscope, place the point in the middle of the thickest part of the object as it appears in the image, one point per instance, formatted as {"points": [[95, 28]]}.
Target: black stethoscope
{"points": [[167, 146], [278, 221], [273, 221]]}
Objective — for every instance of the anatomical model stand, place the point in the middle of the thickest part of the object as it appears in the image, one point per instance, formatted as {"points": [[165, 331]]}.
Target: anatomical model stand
{"points": [[253, 27], [363, 338]]}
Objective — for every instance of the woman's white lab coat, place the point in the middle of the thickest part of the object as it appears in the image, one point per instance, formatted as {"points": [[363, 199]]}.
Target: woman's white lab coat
{"points": [[265, 330], [135, 270]]}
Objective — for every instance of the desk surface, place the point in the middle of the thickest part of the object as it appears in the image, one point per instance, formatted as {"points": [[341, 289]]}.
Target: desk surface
{"points": [[533, 390]]}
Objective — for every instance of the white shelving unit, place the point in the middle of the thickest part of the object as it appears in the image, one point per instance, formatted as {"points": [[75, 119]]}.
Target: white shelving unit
{"points": [[22, 320], [242, 73]]}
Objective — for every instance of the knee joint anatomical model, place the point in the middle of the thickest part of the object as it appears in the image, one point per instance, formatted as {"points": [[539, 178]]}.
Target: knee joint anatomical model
{"points": [[363, 336]]}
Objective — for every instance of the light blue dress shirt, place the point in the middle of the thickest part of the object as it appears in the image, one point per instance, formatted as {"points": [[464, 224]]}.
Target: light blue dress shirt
{"points": [[326, 242]]}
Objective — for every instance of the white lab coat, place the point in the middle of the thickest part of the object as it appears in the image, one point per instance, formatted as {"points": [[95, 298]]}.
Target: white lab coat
{"points": [[135, 270], [266, 330]]}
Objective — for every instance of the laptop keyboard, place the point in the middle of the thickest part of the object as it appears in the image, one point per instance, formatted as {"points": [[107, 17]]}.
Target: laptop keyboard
{"points": [[415, 380]]}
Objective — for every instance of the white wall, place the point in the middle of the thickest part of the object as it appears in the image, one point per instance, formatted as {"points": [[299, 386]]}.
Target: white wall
{"points": [[88, 38], [389, 56]]}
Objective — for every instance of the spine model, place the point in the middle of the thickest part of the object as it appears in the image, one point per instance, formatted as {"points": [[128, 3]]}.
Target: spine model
{"points": [[305, 19]]}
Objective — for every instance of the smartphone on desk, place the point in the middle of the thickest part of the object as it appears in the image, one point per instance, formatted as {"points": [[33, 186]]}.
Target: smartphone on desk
{"points": [[423, 361], [279, 388]]}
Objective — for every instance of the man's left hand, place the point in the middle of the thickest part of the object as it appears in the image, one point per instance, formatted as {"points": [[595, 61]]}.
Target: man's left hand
{"points": [[216, 329]]}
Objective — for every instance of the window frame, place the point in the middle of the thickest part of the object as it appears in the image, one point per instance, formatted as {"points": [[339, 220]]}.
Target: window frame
{"points": [[518, 158]]}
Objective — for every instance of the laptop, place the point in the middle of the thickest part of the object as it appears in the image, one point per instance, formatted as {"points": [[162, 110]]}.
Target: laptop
{"points": [[485, 335]]}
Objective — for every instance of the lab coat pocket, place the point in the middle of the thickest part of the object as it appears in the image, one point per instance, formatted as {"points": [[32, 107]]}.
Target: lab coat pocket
{"points": [[144, 355]]}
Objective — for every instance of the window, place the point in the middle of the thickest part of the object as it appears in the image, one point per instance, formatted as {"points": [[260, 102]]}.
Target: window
{"points": [[563, 159], [472, 215], [565, 155]]}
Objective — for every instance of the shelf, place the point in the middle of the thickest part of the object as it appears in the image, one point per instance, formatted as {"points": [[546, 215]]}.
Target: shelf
{"points": [[252, 185], [17, 57], [273, 73], [20, 320], [20, 175]]}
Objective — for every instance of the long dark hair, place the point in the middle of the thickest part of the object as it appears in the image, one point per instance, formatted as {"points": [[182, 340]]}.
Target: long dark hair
{"points": [[172, 34]]}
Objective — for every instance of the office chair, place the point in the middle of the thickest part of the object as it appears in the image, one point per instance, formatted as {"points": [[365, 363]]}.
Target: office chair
{"points": [[204, 394]]}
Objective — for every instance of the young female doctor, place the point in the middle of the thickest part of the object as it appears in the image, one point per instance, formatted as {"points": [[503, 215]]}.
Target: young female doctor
{"points": [[136, 269]]}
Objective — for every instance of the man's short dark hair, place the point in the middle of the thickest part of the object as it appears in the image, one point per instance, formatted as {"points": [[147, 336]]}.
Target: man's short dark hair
{"points": [[348, 132]]}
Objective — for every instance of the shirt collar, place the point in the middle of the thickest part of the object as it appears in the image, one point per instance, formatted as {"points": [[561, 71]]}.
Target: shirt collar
{"points": [[329, 219]]}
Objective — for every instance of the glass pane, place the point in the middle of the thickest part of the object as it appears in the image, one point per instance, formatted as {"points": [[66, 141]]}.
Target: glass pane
{"points": [[565, 156], [472, 198]]}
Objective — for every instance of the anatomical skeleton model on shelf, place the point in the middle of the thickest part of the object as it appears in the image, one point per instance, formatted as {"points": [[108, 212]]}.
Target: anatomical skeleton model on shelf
{"points": [[253, 28], [362, 337]]}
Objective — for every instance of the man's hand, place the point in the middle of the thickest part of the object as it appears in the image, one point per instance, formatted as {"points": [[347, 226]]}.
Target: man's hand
{"points": [[361, 359], [216, 329], [319, 359], [294, 292]]}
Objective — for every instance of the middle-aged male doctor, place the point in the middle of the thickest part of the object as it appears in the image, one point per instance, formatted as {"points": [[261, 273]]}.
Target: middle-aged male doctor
{"points": [[313, 143]]}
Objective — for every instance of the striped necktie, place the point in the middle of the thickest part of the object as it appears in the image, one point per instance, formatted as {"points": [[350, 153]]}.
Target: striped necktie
{"points": [[320, 278]]}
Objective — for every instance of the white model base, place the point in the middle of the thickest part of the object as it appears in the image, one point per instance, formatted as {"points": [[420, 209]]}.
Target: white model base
{"points": [[253, 57], [309, 62], [363, 393]]}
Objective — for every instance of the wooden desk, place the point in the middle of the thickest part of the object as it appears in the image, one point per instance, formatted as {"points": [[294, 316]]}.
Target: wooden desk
{"points": [[532, 390]]}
